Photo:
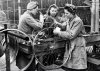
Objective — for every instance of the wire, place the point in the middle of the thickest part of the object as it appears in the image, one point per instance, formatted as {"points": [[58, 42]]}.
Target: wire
{"points": [[31, 44], [48, 67]]}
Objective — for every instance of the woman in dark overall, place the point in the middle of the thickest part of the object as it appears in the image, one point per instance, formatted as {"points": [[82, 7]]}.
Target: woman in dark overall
{"points": [[49, 17]]}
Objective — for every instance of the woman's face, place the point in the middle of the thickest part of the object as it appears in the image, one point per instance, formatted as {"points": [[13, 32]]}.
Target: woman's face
{"points": [[34, 11], [68, 14], [53, 11]]}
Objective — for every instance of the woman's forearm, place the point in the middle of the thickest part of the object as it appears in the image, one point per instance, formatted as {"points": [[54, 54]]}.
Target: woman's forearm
{"points": [[61, 25]]}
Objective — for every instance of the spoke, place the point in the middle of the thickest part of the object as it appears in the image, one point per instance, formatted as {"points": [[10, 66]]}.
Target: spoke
{"points": [[47, 43]]}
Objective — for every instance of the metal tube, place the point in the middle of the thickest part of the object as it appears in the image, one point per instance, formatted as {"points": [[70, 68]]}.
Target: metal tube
{"points": [[97, 17], [7, 10], [19, 8], [7, 53], [93, 17], [19, 36], [55, 1], [14, 10], [71, 1], [41, 4]]}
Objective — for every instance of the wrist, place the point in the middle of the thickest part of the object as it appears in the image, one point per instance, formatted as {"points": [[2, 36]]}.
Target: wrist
{"points": [[59, 23], [59, 33]]}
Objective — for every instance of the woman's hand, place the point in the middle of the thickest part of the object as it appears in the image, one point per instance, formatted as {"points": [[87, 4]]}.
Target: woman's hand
{"points": [[42, 18], [45, 16], [55, 21], [57, 30]]}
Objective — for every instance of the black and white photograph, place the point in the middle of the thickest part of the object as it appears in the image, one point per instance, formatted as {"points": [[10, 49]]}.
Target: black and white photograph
{"points": [[49, 35]]}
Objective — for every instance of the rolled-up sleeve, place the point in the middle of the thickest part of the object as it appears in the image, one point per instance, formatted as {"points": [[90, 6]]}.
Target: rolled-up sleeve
{"points": [[73, 32], [33, 23]]}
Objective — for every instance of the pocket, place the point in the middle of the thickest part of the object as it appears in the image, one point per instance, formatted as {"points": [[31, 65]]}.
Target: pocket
{"points": [[80, 42], [79, 52]]}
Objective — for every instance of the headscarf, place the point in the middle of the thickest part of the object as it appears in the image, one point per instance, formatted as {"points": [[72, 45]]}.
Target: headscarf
{"points": [[32, 5]]}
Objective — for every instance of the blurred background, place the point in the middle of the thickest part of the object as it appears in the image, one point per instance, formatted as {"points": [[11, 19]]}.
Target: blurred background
{"points": [[14, 8]]}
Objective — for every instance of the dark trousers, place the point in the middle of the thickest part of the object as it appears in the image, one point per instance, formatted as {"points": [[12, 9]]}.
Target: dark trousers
{"points": [[32, 67], [69, 69], [22, 60]]}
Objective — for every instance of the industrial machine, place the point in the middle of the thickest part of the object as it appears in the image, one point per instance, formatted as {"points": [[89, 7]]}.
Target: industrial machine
{"points": [[47, 48]]}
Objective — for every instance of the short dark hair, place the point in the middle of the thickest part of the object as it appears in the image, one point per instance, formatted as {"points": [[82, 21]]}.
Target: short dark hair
{"points": [[71, 8]]}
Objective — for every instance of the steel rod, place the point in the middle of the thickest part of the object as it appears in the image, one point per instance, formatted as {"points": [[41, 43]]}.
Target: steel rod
{"points": [[7, 52]]}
